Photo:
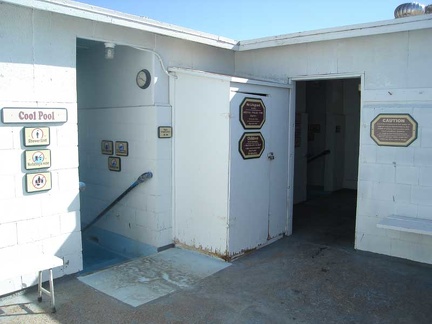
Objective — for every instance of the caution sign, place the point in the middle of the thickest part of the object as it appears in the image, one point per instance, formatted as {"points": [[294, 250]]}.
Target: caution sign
{"points": [[394, 130], [251, 145], [37, 159], [36, 136], [38, 181]]}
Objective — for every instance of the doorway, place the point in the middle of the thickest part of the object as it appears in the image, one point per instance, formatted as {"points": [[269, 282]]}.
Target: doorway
{"points": [[111, 112], [327, 140]]}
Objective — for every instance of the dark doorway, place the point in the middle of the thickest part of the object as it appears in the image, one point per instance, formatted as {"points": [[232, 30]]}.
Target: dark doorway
{"points": [[328, 219], [326, 160]]}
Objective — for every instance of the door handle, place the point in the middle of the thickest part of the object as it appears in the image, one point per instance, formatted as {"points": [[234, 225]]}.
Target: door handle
{"points": [[270, 156]]}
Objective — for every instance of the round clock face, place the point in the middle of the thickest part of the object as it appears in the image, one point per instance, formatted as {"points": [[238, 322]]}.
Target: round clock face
{"points": [[143, 79]]}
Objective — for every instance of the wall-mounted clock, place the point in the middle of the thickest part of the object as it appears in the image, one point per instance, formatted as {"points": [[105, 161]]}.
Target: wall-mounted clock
{"points": [[143, 79]]}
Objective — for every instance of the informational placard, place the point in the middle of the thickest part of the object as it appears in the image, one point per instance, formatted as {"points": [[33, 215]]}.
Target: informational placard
{"points": [[252, 113], [394, 130], [36, 136], [251, 145], [37, 159], [38, 181], [122, 148], [107, 147], [34, 115], [114, 163], [165, 132]]}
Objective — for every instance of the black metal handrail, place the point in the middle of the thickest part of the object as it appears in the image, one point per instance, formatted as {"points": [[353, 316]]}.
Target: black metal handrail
{"points": [[313, 158], [143, 177]]}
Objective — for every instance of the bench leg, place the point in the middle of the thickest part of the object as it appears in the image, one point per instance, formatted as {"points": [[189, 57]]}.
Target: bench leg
{"points": [[51, 283], [49, 292], [40, 287]]}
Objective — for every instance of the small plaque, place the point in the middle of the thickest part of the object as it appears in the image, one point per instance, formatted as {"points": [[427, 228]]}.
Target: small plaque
{"points": [[122, 148], [37, 159], [394, 130], [252, 113], [114, 163], [251, 145], [38, 181], [107, 147], [34, 115], [165, 132], [36, 136]]}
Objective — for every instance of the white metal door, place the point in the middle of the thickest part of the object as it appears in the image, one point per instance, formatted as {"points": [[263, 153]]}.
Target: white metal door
{"points": [[258, 185], [249, 184]]}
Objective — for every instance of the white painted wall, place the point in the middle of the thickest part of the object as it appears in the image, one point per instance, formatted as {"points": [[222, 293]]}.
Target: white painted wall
{"points": [[396, 69], [39, 69]]}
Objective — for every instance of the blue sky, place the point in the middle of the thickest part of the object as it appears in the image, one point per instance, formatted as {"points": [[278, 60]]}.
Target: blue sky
{"points": [[248, 19]]}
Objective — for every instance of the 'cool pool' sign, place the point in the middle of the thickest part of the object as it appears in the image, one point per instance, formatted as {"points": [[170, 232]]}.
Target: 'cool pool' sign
{"points": [[33, 115]]}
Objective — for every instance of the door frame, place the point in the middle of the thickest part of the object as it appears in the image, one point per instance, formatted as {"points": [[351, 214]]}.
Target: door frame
{"points": [[291, 131]]}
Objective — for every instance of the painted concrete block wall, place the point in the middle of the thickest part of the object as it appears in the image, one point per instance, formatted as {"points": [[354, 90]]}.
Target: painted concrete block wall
{"points": [[396, 69], [37, 70]]}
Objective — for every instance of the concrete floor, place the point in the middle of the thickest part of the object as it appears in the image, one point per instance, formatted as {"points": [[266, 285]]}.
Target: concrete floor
{"points": [[313, 276]]}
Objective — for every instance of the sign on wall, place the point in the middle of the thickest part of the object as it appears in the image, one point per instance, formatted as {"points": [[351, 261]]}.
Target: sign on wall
{"points": [[33, 115], [252, 113], [107, 147], [122, 148], [38, 181], [251, 145], [165, 132], [394, 130], [114, 164], [36, 136], [37, 159]]}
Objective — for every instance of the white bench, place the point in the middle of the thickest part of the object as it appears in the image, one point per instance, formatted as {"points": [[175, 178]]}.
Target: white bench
{"points": [[407, 224], [17, 265]]}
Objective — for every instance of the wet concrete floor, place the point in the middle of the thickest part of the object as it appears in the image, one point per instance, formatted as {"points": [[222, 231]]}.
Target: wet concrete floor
{"points": [[304, 278]]}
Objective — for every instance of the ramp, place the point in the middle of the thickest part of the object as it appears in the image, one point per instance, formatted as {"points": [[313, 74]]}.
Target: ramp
{"points": [[147, 278]]}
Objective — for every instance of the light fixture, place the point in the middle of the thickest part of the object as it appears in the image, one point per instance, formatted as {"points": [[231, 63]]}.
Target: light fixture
{"points": [[109, 51]]}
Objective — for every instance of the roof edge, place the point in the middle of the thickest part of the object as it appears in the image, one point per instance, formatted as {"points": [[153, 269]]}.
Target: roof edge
{"points": [[367, 29], [99, 14]]}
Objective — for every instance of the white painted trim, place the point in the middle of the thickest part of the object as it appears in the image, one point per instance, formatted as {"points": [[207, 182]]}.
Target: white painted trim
{"points": [[81, 10], [331, 76], [229, 78], [291, 161], [368, 29]]}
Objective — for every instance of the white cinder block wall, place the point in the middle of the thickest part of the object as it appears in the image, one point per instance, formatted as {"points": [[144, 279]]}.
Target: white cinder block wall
{"points": [[396, 79], [38, 69]]}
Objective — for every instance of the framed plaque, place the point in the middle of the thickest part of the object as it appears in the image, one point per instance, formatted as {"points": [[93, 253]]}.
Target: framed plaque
{"points": [[114, 163], [394, 130], [252, 113], [251, 145], [107, 147]]}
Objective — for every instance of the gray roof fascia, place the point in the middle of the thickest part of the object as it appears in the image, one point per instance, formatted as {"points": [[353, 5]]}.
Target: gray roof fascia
{"points": [[367, 29], [85, 11]]}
